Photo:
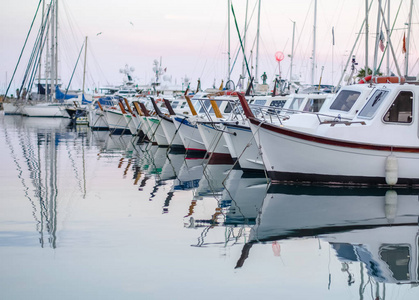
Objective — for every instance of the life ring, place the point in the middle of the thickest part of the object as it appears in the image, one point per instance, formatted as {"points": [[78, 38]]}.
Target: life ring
{"points": [[388, 79], [365, 79], [381, 79]]}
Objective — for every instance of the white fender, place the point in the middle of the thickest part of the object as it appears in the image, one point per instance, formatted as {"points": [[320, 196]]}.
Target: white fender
{"points": [[391, 170]]}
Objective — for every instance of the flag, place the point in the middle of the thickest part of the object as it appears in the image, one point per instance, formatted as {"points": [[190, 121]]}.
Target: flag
{"points": [[382, 41], [404, 43]]}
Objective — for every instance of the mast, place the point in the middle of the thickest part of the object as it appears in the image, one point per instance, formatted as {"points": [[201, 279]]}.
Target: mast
{"points": [[366, 37], [353, 47], [406, 55], [314, 43], [377, 39], [84, 68], [56, 44], [228, 36], [292, 49], [244, 43], [40, 54], [257, 46], [388, 37], [52, 68]]}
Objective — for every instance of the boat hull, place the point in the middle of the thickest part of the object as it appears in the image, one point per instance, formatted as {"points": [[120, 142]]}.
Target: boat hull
{"points": [[295, 156], [189, 134], [243, 148], [214, 140], [171, 133]]}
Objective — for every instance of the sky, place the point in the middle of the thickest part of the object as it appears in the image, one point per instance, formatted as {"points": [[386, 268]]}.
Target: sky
{"points": [[189, 39]]}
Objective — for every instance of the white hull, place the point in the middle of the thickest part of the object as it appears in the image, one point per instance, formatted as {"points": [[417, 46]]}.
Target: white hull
{"points": [[44, 110], [116, 121], [129, 119], [96, 119], [157, 131], [171, 133], [213, 139], [243, 147], [297, 159], [12, 108], [189, 134], [148, 131]]}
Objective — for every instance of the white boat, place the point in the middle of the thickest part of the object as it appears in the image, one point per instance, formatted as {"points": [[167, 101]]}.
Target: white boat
{"points": [[45, 110], [96, 119], [12, 108], [188, 130], [239, 137], [167, 123], [378, 146], [117, 122]]}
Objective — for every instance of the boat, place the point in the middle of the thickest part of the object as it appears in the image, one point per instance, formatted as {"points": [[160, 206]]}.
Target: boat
{"points": [[378, 145]]}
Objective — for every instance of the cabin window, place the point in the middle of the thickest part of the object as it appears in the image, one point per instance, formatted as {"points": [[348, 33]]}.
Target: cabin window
{"points": [[228, 108], [278, 103], [183, 104], [314, 105], [401, 109], [296, 102], [174, 104], [345, 100], [373, 104], [259, 102], [204, 107]]}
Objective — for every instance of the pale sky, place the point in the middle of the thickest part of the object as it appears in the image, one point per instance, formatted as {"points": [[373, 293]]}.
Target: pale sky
{"points": [[190, 37]]}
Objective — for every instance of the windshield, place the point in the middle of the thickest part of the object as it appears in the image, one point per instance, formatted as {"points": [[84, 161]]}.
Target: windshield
{"points": [[373, 104], [345, 100]]}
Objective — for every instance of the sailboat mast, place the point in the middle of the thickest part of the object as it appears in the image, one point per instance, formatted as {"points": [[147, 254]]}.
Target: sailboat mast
{"points": [[84, 68], [409, 25], [228, 36], [314, 43], [292, 49], [40, 54], [388, 38], [56, 44], [366, 37], [377, 39], [244, 43], [257, 46], [52, 71]]}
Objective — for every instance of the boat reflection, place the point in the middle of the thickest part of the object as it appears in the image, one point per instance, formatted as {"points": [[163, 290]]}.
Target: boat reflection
{"points": [[35, 153], [375, 227]]}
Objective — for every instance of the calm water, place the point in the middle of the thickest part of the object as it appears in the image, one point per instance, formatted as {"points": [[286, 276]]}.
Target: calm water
{"points": [[85, 215]]}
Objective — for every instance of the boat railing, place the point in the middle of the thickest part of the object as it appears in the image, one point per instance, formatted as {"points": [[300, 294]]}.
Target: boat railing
{"points": [[279, 115]]}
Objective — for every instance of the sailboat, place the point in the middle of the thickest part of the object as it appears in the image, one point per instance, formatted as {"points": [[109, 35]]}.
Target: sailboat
{"points": [[49, 100]]}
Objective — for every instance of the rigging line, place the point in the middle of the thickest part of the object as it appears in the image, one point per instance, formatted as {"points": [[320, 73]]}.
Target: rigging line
{"points": [[21, 53], [35, 51], [74, 70], [391, 33], [241, 43], [239, 48], [32, 79]]}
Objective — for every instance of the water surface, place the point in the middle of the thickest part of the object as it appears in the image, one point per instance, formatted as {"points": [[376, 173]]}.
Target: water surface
{"points": [[86, 215]]}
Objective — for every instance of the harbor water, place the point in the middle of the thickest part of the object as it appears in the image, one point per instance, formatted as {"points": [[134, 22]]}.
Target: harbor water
{"points": [[89, 215]]}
